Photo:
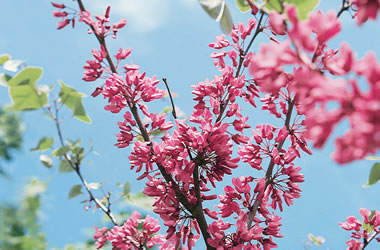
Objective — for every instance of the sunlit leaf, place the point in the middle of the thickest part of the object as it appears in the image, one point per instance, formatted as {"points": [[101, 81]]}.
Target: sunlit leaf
{"points": [[46, 160], [140, 200], [65, 167], [226, 22], [13, 65], [35, 187], [368, 227], [73, 100], [243, 5], [44, 144], [127, 188], [218, 10], [93, 185], [4, 58], [75, 191], [158, 132], [61, 151], [372, 158], [317, 240], [23, 91], [374, 175], [304, 7], [4, 78]]}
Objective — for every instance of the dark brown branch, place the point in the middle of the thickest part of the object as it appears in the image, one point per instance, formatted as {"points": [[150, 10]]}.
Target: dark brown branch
{"points": [[196, 211], [171, 98], [343, 8]]}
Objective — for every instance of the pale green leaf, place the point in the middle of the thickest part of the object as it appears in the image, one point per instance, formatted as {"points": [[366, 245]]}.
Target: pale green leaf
{"points": [[61, 151], [73, 100], [46, 160], [23, 91], [218, 10], [93, 185], [372, 158], [65, 167], [243, 5], [374, 175], [75, 191], [35, 187], [304, 7], [317, 240], [214, 8], [140, 200], [4, 78], [44, 144], [13, 65], [4, 58], [127, 189], [226, 22]]}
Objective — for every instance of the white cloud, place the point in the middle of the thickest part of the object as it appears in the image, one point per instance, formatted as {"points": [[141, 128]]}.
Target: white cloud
{"points": [[141, 15]]}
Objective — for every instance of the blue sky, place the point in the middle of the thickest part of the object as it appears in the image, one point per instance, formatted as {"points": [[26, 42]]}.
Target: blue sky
{"points": [[169, 39]]}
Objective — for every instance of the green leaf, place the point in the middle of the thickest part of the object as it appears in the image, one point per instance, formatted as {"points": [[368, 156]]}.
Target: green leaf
{"points": [[167, 110], [75, 191], [4, 78], [93, 185], [127, 189], [65, 167], [13, 65], [226, 22], [212, 7], [372, 158], [369, 227], [61, 151], [4, 58], [73, 100], [243, 5], [23, 91], [140, 200], [46, 160], [218, 10], [317, 240], [304, 7], [374, 175], [158, 132], [43, 144]]}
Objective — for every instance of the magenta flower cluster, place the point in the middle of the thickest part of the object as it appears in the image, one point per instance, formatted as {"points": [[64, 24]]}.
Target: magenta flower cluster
{"points": [[295, 74]]}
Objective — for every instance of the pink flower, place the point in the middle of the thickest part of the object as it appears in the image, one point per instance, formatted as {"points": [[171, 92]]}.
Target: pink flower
{"points": [[277, 23], [366, 9], [326, 26]]}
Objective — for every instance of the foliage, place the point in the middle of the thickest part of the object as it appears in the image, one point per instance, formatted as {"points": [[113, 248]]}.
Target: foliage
{"points": [[19, 225]]}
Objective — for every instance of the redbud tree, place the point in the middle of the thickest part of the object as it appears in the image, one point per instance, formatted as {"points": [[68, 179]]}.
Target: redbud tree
{"points": [[304, 84]]}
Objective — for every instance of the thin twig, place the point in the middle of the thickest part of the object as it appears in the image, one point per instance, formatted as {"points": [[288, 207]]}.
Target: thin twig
{"points": [[171, 98], [268, 175], [76, 168], [343, 8], [223, 105]]}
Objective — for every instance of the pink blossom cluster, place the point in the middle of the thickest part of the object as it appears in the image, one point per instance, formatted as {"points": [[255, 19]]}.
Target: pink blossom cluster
{"points": [[365, 9], [299, 74], [323, 100], [135, 233], [100, 26], [363, 232]]}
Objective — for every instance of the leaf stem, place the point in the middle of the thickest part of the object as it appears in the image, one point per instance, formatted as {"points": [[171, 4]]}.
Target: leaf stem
{"points": [[76, 168]]}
